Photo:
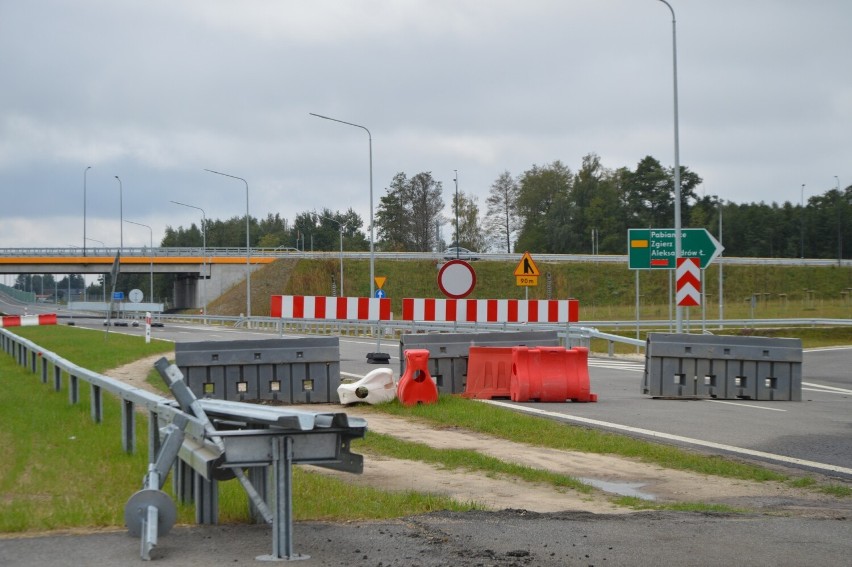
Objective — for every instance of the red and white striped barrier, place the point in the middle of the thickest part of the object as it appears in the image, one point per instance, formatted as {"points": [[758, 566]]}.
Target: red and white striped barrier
{"points": [[492, 310], [330, 308], [27, 320]]}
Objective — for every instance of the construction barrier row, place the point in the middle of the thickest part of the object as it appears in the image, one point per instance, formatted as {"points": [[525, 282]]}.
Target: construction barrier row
{"points": [[722, 367], [448, 352], [426, 309], [27, 320], [293, 371], [523, 374]]}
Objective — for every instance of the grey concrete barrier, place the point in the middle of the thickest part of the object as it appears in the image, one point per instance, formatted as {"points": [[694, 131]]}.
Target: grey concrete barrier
{"points": [[448, 352], [304, 370], [722, 367]]}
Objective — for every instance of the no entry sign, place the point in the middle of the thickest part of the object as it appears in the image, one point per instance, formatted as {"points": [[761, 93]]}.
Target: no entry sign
{"points": [[456, 279]]}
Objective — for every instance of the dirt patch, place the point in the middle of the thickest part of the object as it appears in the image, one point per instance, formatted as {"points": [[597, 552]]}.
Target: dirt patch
{"points": [[612, 475]]}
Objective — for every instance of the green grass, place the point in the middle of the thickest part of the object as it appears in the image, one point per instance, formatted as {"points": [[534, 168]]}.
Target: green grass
{"points": [[461, 459], [606, 290], [95, 350], [513, 426], [61, 470]]}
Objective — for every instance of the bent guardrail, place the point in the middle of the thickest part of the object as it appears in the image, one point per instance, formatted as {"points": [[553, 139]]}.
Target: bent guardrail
{"points": [[204, 441]]}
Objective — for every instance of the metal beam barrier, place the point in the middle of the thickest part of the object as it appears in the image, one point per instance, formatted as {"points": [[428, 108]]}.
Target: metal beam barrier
{"points": [[722, 367], [448, 352], [305, 370]]}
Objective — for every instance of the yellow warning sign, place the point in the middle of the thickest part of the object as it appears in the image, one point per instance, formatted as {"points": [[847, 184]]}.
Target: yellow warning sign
{"points": [[526, 281], [526, 267], [380, 281]]}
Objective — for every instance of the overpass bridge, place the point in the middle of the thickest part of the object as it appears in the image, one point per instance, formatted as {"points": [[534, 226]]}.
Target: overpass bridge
{"points": [[200, 271]]}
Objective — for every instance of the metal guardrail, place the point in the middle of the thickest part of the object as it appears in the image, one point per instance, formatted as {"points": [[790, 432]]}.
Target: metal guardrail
{"points": [[438, 256], [249, 437], [570, 335]]}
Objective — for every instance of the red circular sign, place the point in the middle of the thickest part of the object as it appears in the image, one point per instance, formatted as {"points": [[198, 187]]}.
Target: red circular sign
{"points": [[456, 279]]}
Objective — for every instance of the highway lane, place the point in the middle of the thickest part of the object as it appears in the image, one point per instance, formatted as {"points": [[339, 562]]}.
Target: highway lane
{"points": [[813, 434]]}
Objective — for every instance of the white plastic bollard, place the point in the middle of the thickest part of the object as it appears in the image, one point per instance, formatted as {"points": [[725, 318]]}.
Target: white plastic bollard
{"points": [[375, 388]]}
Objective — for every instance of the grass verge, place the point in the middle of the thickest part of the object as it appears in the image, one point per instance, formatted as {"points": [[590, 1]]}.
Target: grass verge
{"points": [[513, 426], [61, 470]]}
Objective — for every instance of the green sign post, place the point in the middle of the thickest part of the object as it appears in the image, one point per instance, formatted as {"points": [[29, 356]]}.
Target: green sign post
{"points": [[654, 248]]}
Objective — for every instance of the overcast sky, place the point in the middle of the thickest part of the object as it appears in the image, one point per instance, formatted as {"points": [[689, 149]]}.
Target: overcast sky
{"points": [[156, 91]]}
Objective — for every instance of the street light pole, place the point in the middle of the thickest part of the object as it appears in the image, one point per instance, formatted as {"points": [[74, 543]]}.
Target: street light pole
{"points": [[84, 208], [840, 214], [121, 216], [150, 253], [679, 312], [372, 230], [203, 255], [458, 238], [803, 222], [248, 247], [341, 226]]}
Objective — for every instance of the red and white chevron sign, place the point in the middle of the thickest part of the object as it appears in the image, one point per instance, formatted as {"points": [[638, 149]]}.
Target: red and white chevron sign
{"points": [[492, 310], [27, 320], [330, 308], [688, 275]]}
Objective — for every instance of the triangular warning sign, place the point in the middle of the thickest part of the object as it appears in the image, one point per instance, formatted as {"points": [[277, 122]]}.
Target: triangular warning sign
{"points": [[526, 267]]}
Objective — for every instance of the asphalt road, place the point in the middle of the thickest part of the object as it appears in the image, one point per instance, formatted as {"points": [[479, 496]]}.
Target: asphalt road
{"points": [[473, 539]]}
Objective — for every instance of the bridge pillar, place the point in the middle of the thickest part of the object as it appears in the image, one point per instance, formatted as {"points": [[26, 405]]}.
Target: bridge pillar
{"points": [[189, 288], [185, 292]]}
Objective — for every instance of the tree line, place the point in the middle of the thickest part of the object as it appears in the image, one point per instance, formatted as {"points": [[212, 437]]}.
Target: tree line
{"points": [[551, 209]]}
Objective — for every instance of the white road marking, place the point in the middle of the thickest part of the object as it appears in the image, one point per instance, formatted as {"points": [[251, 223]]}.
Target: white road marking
{"points": [[678, 438], [744, 405], [825, 389]]}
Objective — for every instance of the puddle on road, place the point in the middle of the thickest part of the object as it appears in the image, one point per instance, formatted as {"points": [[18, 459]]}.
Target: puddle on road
{"points": [[620, 488]]}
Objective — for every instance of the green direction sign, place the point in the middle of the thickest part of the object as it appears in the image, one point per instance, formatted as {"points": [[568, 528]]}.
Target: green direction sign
{"points": [[654, 248]]}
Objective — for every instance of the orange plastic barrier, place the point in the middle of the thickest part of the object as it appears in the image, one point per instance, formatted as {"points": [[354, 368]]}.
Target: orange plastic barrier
{"points": [[550, 374], [416, 385], [489, 372]]}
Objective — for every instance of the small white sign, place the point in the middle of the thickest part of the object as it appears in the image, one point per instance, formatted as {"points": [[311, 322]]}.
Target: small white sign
{"points": [[136, 295]]}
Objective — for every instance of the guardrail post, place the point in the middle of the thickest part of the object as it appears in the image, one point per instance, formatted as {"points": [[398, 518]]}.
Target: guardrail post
{"points": [[73, 389], [57, 379], [206, 496], [128, 426], [96, 404]]}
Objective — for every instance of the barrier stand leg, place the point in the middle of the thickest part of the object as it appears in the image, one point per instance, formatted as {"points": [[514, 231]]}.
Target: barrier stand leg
{"points": [[150, 511], [378, 357], [282, 525]]}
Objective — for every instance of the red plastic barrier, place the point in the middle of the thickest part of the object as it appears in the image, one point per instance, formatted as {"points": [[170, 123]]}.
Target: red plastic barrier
{"points": [[489, 372], [416, 385], [48, 319], [10, 321], [550, 374]]}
